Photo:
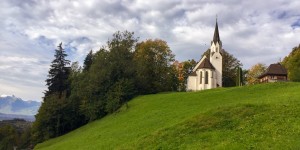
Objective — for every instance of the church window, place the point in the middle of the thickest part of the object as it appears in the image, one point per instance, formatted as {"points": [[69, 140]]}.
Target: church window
{"points": [[212, 74], [201, 77], [217, 49], [206, 77]]}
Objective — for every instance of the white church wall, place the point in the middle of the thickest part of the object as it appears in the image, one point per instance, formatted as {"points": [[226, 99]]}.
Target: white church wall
{"points": [[191, 84]]}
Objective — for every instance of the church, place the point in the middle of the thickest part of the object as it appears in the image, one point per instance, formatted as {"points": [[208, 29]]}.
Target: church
{"points": [[207, 74]]}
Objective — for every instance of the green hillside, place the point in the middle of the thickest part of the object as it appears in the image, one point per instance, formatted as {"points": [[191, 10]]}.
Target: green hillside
{"points": [[265, 116]]}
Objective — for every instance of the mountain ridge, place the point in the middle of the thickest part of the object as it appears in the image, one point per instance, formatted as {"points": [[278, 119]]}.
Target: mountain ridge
{"points": [[12, 105]]}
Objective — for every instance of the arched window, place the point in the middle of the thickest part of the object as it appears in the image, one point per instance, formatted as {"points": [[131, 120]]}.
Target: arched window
{"points": [[212, 74], [217, 49], [206, 77], [200, 77]]}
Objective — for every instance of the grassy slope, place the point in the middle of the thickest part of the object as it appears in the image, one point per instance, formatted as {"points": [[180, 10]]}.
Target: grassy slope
{"points": [[261, 116]]}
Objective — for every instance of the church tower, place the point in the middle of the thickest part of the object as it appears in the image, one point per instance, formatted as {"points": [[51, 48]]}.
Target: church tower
{"points": [[207, 74], [216, 55]]}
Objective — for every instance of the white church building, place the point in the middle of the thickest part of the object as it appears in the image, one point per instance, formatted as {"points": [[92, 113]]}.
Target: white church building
{"points": [[207, 74]]}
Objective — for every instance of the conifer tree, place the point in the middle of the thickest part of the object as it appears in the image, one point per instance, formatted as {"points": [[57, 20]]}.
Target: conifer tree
{"points": [[88, 61], [57, 81], [54, 114]]}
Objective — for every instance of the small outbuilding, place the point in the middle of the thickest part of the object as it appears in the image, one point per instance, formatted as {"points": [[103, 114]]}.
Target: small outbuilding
{"points": [[274, 73]]}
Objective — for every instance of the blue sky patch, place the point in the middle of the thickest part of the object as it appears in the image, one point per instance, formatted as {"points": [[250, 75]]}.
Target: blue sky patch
{"points": [[296, 24]]}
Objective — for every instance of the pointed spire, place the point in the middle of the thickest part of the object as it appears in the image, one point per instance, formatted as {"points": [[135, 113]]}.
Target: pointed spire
{"points": [[216, 34]]}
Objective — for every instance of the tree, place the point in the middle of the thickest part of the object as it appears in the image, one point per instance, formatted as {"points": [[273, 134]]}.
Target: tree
{"points": [[110, 81], [292, 64], [92, 86], [74, 119], [8, 137], [229, 64], [254, 72], [110, 77], [57, 81], [88, 61], [119, 93], [54, 114], [244, 76], [188, 67], [185, 71], [51, 118], [155, 73], [239, 77]]}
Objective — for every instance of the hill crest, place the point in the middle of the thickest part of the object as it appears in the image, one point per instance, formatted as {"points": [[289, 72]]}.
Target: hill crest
{"points": [[265, 116]]}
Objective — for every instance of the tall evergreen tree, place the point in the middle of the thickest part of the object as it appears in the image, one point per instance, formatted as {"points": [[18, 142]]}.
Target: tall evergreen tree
{"points": [[57, 81], [88, 61], [54, 115]]}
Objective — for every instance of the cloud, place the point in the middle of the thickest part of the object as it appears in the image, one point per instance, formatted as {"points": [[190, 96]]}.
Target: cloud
{"points": [[253, 31]]}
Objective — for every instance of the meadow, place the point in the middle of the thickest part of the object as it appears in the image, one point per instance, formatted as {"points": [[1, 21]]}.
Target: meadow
{"points": [[264, 116]]}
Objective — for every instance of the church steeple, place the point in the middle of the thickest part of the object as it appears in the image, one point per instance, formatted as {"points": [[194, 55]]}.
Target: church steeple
{"points": [[216, 34]]}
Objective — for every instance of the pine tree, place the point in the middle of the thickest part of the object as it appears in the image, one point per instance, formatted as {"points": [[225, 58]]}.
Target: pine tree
{"points": [[57, 81], [54, 115], [88, 61]]}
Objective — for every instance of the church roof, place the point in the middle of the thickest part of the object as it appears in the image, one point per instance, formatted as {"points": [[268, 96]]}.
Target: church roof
{"points": [[206, 64], [216, 34], [193, 74], [274, 69]]}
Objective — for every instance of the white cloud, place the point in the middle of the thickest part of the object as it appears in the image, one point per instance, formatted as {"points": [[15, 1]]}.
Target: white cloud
{"points": [[253, 31]]}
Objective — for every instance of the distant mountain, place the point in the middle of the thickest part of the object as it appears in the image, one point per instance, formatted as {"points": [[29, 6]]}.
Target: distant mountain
{"points": [[16, 106]]}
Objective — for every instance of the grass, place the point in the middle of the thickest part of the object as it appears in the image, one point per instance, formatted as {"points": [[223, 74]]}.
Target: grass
{"points": [[265, 116]]}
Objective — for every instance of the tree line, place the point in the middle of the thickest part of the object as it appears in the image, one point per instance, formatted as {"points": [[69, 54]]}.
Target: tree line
{"points": [[122, 69], [109, 78], [15, 134]]}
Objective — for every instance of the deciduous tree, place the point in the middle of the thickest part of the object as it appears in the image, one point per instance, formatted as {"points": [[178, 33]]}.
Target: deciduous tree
{"points": [[292, 64], [187, 68], [254, 72], [155, 73]]}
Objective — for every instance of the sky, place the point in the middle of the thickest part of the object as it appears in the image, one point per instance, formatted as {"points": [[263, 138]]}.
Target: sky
{"points": [[253, 31]]}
